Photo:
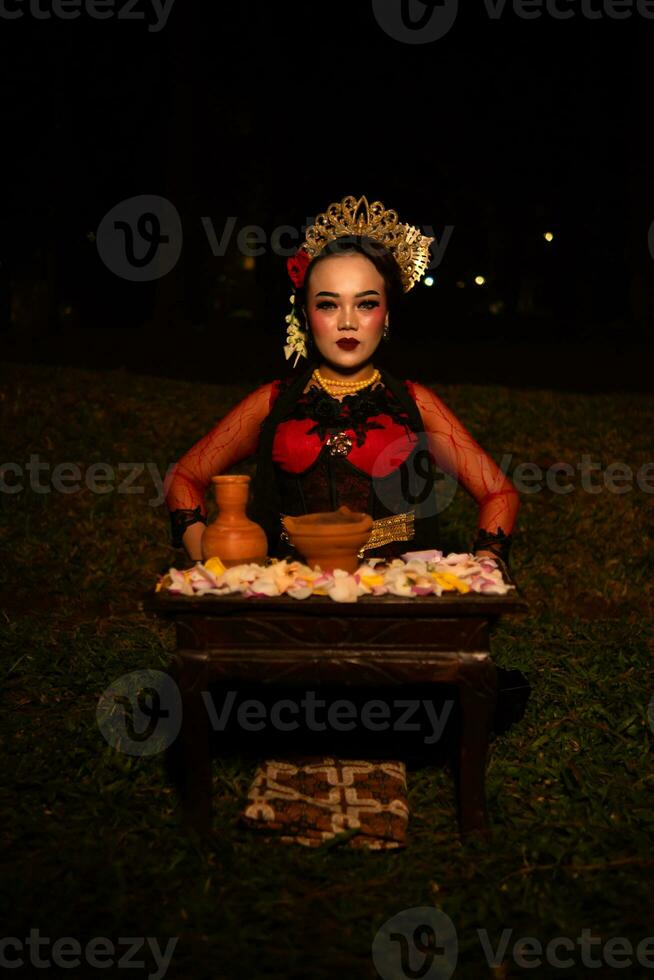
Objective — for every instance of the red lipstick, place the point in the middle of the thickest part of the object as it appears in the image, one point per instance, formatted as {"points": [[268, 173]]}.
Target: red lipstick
{"points": [[348, 344]]}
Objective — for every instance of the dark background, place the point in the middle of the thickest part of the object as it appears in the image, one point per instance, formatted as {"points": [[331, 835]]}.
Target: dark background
{"points": [[267, 112]]}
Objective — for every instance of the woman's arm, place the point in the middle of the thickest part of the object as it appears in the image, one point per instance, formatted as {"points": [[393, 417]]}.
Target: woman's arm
{"points": [[233, 438], [457, 453]]}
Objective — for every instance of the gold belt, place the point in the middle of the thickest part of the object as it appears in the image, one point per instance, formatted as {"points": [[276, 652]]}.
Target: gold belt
{"points": [[396, 527]]}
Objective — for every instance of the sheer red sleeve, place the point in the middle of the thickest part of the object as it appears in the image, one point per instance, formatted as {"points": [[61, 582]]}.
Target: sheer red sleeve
{"points": [[457, 453], [233, 438]]}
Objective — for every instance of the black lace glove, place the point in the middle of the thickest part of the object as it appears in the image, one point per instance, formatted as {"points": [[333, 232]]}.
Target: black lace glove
{"points": [[180, 519], [497, 542]]}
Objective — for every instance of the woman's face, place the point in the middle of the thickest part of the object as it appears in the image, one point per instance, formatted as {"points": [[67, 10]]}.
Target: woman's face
{"points": [[346, 301]]}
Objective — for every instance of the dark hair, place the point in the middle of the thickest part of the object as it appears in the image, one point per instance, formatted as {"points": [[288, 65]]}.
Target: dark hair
{"points": [[380, 256]]}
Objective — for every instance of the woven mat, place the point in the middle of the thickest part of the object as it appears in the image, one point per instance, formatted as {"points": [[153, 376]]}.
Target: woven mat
{"points": [[313, 799]]}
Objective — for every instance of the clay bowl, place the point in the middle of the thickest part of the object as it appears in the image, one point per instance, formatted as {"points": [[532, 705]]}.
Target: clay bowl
{"points": [[330, 539]]}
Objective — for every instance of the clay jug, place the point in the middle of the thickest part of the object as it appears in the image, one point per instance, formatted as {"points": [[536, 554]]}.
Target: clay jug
{"points": [[233, 537]]}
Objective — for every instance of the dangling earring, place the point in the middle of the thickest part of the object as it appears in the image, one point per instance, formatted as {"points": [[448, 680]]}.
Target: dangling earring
{"points": [[386, 330], [307, 333]]}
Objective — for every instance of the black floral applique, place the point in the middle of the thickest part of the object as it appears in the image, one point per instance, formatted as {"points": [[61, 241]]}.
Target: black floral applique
{"points": [[353, 412]]}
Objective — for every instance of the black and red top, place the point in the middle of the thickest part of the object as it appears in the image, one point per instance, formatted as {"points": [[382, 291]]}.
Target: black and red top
{"points": [[373, 466]]}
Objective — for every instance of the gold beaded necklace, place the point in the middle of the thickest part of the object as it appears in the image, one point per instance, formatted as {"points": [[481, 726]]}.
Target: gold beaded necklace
{"points": [[335, 387]]}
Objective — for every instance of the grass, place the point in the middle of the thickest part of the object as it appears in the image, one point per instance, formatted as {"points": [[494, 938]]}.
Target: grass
{"points": [[93, 842]]}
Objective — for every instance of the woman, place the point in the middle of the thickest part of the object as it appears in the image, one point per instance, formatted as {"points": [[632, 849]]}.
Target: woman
{"points": [[344, 431]]}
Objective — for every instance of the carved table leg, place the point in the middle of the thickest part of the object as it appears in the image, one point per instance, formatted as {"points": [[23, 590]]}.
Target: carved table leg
{"points": [[195, 747], [478, 694], [174, 755]]}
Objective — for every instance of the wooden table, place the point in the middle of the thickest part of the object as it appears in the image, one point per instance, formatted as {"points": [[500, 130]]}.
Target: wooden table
{"points": [[385, 641]]}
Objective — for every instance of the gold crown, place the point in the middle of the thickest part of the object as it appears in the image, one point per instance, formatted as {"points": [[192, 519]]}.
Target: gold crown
{"points": [[408, 245]]}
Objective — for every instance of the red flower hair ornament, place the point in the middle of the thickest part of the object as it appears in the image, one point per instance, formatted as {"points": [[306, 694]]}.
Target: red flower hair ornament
{"points": [[297, 266]]}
